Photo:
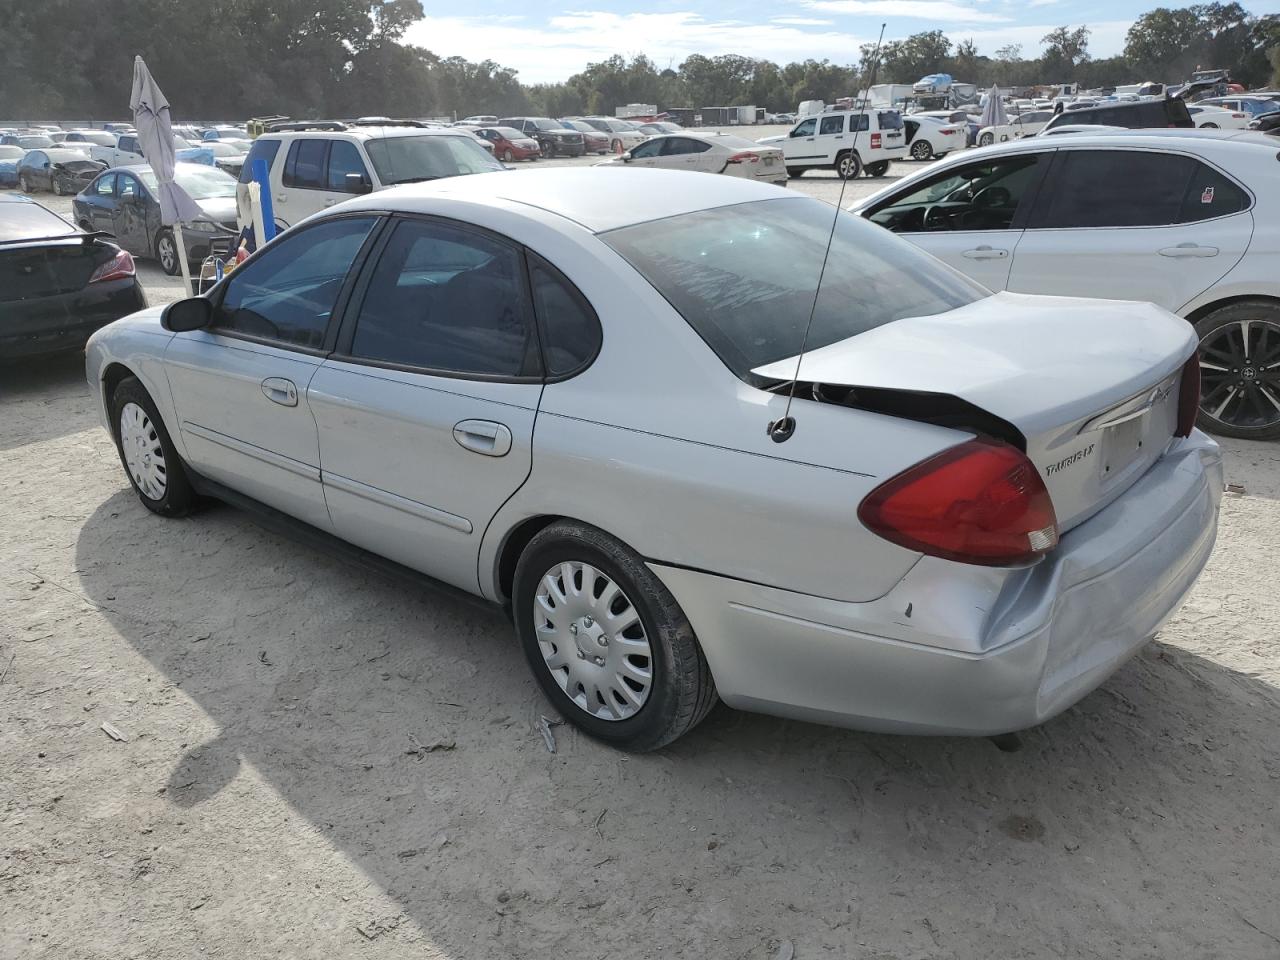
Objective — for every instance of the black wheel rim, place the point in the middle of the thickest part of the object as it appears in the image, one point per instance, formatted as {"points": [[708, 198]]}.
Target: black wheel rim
{"points": [[1240, 374]]}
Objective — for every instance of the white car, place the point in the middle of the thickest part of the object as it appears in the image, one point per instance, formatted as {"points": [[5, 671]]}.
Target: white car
{"points": [[572, 401], [311, 170], [929, 138], [126, 150], [1187, 219], [705, 152], [622, 135], [1209, 117], [1023, 125], [844, 141]]}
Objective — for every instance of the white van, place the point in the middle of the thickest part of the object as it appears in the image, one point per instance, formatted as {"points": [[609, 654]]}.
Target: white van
{"points": [[844, 141]]}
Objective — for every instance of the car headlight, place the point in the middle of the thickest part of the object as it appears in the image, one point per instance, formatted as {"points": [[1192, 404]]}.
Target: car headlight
{"points": [[203, 226]]}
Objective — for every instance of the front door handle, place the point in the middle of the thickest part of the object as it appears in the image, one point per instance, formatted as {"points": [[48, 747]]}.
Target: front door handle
{"points": [[985, 253], [1188, 250], [282, 198], [281, 391], [484, 437]]}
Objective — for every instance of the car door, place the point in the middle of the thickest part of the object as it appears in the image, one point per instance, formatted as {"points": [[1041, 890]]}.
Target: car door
{"points": [[37, 166], [426, 408], [799, 147], [830, 137], [127, 151], [1132, 224], [970, 216], [129, 216], [303, 180], [240, 385], [682, 153], [98, 203]]}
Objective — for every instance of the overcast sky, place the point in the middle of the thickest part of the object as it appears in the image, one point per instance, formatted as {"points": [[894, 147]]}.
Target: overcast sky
{"points": [[548, 41]]}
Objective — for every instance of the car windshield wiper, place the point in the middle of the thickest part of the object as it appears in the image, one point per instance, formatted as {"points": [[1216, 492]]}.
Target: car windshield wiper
{"points": [[412, 180]]}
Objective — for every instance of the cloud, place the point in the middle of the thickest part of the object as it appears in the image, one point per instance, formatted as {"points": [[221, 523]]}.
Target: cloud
{"points": [[1041, 3], [1106, 39], [801, 21], [935, 10], [567, 43]]}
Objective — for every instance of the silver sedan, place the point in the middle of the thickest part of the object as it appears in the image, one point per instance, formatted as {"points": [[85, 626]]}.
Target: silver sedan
{"points": [[572, 400]]}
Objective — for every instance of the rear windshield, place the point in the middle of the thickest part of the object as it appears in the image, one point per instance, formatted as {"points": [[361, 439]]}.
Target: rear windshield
{"points": [[412, 159], [744, 276], [30, 221]]}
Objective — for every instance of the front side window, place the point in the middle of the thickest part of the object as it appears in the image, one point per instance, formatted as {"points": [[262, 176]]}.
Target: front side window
{"points": [[304, 166], [744, 276], [288, 292], [105, 185], [1115, 188], [980, 196], [806, 128], [650, 148], [447, 299], [128, 187], [129, 144], [263, 148], [344, 158], [831, 125]]}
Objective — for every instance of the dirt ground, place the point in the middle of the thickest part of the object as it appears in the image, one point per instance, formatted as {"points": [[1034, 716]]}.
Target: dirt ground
{"points": [[321, 763]]}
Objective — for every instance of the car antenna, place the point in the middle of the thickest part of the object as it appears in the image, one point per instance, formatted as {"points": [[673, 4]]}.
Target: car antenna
{"points": [[780, 430]]}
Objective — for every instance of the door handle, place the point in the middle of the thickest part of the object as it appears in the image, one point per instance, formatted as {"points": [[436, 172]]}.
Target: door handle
{"points": [[985, 253], [282, 198], [484, 437], [1188, 250], [281, 391]]}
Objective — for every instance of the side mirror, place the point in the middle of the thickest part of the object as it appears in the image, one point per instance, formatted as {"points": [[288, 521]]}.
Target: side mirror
{"points": [[194, 313], [626, 157], [356, 183]]}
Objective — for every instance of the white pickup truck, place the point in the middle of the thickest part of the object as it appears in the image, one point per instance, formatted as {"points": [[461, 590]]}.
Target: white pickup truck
{"points": [[127, 150]]}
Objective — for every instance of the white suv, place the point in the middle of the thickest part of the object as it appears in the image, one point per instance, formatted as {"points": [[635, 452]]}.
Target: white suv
{"points": [[845, 141], [314, 169]]}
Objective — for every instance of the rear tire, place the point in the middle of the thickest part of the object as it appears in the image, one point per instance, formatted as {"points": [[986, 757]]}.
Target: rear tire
{"points": [[150, 461], [674, 689], [24, 184], [848, 165], [878, 169], [508, 156], [1240, 370], [167, 253], [55, 186], [1208, 126], [795, 173]]}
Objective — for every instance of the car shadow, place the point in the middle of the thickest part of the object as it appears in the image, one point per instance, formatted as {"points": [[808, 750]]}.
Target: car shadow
{"points": [[34, 402], [403, 726]]}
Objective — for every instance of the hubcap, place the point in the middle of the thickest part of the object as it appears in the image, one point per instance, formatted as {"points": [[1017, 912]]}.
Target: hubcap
{"points": [[143, 453], [1240, 374], [168, 257], [593, 641], [921, 150]]}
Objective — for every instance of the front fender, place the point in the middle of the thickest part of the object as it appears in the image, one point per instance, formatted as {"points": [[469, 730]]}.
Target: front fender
{"points": [[136, 343]]}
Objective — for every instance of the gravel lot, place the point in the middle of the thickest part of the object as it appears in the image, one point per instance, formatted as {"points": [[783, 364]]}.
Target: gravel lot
{"points": [[322, 763]]}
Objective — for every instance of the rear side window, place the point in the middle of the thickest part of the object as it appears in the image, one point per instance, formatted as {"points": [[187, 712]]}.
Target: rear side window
{"points": [[570, 329], [1210, 194], [888, 120], [262, 149], [304, 166], [1115, 188], [832, 125]]}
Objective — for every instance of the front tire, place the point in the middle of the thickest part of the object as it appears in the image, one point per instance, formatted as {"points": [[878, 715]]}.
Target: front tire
{"points": [[795, 173], [167, 253], [986, 140], [55, 186], [150, 461], [607, 642], [1240, 370], [921, 150], [848, 166], [24, 184], [508, 156]]}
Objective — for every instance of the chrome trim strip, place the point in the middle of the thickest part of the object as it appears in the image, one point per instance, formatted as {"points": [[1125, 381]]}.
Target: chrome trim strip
{"points": [[381, 497], [249, 450]]}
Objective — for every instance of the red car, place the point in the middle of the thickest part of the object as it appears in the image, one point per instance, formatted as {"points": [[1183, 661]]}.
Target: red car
{"points": [[509, 144]]}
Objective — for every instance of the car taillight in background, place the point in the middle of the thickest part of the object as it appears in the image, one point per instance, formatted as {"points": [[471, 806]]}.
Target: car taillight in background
{"points": [[117, 268], [747, 157], [875, 140], [981, 502], [1189, 396]]}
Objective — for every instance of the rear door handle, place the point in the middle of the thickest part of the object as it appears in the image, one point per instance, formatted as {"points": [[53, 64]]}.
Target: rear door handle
{"points": [[281, 391], [483, 437], [985, 253], [1188, 250]]}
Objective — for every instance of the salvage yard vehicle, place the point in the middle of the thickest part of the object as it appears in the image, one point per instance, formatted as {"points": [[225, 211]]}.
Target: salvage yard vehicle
{"points": [[843, 141], [1218, 118], [554, 138], [312, 169], [509, 144], [593, 140], [932, 139], [1023, 125], [553, 394], [123, 202], [622, 134], [1158, 113], [57, 285], [706, 152], [60, 171], [1186, 219]]}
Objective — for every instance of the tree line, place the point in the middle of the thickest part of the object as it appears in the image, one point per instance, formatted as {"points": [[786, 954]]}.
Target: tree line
{"points": [[335, 58]]}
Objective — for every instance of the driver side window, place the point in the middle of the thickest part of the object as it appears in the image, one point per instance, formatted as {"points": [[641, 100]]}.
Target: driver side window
{"points": [[649, 148], [288, 292], [805, 129], [980, 196]]}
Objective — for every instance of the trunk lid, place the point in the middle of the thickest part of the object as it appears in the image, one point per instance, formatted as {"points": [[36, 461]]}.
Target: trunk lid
{"points": [[1091, 385]]}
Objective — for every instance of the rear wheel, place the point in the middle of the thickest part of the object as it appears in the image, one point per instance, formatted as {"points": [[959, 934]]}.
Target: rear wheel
{"points": [[795, 173], [1208, 126], [878, 169], [167, 252], [508, 156], [848, 165], [56, 186], [1240, 370], [607, 642], [24, 184], [150, 461], [921, 150]]}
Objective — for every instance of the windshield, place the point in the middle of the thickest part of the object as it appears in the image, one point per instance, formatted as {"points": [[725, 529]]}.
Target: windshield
{"points": [[509, 133], [68, 156], [34, 143], [744, 277], [543, 123], [208, 184], [411, 159], [580, 125]]}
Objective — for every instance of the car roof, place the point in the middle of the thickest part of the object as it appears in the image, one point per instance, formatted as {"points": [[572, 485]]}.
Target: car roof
{"points": [[178, 167], [587, 196], [1144, 137], [367, 133]]}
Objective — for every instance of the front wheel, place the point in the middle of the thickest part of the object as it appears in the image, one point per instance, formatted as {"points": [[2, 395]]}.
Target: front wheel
{"points": [[795, 173], [848, 166], [150, 461], [24, 184], [878, 169], [921, 150], [56, 186], [508, 156], [548, 150], [986, 140], [167, 253], [607, 642], [1240, 370]]}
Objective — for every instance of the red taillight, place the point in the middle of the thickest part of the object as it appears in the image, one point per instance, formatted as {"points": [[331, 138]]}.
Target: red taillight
{"points": [[745, 158], [875, 140], [947, 133], [1189, 396], [117, 268], [980, 502]]}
